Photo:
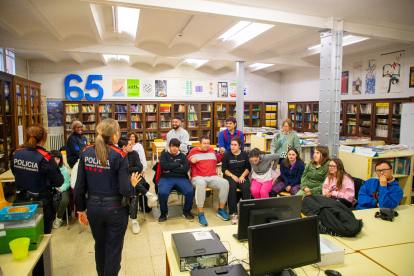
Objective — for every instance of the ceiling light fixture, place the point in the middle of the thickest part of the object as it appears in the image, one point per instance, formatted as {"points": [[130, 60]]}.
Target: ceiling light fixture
{"points": [[125, 20], [347, 40], [234, 30], [116, 57], [258, 66], [196, 62], [243, 32]]}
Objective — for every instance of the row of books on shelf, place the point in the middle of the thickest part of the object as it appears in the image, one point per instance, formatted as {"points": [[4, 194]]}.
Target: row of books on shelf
{"points": [[90, 138], [105, 108], [271, 107], [205, 123], [180, 108], [165, 107], [136, 108], [383, 110], [88, 108], [400, 165], [71, 118], [351, 108], [396, 108], [166, 124], [136, 125], [165, 117], [308, 108], [312, 125], [89, 126], [381, 131], [136, 118], [311, 117], [151, 118], [150, 108], [306, 153], [72, 108], [192, 117], [206, 108], [152, 125], [221, 107], [299, 108], [365, 108], [121, 117], [271, 115], [151, 135], [298, 117], [192, 123], [192, 108], [270, 123], [90, 118], [121, 108]]}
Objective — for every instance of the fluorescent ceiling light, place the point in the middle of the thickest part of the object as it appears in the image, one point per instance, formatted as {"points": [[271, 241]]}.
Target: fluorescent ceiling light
{"points": [[116, 57], [125, 20], [244, 31], [196, 62], [347, 40], [258, 66]]}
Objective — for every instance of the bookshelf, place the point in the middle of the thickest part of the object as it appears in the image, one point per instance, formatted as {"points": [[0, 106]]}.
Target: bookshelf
{"points": [[260, 142], [199, 120], [270, 116], [364, 167], [304, 116], [8, 117], [358, 118]]}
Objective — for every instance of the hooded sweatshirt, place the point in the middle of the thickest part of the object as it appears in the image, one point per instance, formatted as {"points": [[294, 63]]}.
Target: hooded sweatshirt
{"points": [[387, 197], [261, 172]]}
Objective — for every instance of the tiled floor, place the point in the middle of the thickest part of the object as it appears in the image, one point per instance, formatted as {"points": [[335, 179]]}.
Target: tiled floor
{"points": [[143, 254]]}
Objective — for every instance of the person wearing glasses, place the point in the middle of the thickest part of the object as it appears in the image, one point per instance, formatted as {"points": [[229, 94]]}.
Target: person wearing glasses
{"points": [[382, 191], [76, 142], [338, 184]]}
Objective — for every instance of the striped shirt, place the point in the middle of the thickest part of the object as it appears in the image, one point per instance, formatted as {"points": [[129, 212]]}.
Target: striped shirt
{"points": [[207, 162]]}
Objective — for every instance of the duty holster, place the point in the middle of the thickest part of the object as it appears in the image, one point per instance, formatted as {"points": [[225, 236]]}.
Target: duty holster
{"points": [[56, 198], [133, 207], [386, 214]]}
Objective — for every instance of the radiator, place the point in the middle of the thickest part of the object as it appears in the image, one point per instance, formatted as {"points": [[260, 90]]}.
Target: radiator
{"points": [[56, 141]]}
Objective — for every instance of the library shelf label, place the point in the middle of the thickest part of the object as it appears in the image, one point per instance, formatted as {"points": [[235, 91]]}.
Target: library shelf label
{"points": [[346, 148], [382, 104], [291, 106], [366, 152], [259, 134]]}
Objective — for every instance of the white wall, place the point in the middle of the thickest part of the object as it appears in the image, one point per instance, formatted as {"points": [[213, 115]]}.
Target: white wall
{"points": [[52, 75], [302, 84], [21, 67]]}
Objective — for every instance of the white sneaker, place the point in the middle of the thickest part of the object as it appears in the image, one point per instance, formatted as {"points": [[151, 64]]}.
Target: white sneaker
{"points": [[57, 223], [151, 198], [135, 227], [234, 219]]}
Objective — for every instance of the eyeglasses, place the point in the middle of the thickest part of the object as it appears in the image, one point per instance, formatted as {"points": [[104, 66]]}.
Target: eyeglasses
{"points": [[383, 170], [332, 166]]}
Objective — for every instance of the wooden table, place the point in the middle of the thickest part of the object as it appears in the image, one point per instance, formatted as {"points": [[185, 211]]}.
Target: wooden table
{"points": [[24, 267], [378, 233], [7, 176]]}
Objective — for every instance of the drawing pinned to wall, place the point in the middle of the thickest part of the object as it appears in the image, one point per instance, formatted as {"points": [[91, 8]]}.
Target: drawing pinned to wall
{"points": [[54, 113], [411, 76], [147, 88], [160, 88], [344, 82], [370, 76], [357, 78], [392, 66], [222, 90], [233, 89], [199, 88], [132, 88], [187, 88], [118, 87], [210, 89], [246, 89], [173, 88]]}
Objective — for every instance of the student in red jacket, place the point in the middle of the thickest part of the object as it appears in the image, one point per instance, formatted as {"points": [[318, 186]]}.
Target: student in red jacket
{"points": [[203, 161]]}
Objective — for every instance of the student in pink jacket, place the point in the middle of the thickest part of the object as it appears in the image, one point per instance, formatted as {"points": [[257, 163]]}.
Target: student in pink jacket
{"points": [[338, 184]]}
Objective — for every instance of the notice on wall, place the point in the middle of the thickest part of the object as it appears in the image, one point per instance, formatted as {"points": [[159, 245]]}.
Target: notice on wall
{"points": [[199, 88], [187, 88], [233, 89], [55, 113], [161, 88], [147, 88], [222, 89], [132, 88], [118, 88], [210, 89]]}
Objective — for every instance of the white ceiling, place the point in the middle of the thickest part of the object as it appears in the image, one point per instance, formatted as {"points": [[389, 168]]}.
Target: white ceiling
{"points": [[82, 30]]}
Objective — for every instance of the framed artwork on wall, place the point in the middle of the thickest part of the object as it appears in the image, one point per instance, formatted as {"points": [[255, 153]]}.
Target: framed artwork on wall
{"points": [[344, 82]]}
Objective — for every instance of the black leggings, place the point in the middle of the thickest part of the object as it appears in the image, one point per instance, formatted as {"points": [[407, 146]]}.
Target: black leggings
{"points": [[245, 190]]}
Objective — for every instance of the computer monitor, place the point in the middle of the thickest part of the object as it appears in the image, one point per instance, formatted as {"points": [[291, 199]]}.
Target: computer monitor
{"points": [[274, 248], [266, 210]]}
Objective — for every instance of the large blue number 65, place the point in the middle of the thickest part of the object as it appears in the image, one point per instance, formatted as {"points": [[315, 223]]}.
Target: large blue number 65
{"points": [[68, 88], [90, 85]]}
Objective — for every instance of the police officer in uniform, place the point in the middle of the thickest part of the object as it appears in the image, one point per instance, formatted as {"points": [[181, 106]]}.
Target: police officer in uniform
{"points": [[76, 142], [36, 172], [102, 172]]}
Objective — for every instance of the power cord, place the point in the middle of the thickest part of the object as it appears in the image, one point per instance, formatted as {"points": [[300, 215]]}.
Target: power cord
{"points": [[317, 266], [229, 247]]}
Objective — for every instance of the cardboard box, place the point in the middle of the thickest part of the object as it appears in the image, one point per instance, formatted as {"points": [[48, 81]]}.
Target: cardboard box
{"points": [[331, 253]]}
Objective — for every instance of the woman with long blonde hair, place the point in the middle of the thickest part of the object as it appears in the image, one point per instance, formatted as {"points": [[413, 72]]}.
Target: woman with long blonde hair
{"points": [[102, 172]]}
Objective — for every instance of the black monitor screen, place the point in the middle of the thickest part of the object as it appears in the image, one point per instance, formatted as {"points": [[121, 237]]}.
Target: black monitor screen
{"points": [[277, 246], [264, 210]]}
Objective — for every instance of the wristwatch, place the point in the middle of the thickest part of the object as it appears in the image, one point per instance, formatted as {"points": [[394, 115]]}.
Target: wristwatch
{"points": [[231, 175]]}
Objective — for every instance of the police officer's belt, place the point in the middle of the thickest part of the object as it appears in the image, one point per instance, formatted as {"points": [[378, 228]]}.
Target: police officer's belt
{"points": [[27, 195], [106, 198]]}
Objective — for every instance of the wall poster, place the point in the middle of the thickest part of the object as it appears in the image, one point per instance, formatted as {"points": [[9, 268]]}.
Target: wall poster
{"points": [[344, 82], [187, 88], [55, 113], [199, 88], [118, 87], [160, 88], [357, 78], [173, 88], [370, 76], [132, 88], [233, 90], [222, 90], [392, 67], [210, 89], [147, 88]]}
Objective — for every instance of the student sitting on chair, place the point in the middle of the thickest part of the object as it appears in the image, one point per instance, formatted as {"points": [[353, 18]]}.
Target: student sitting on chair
{"points": [[203, 162], [315, 173], [225, 136], [134, 165], [291, 171], [338, 184], [179, 133], [174, 176], [383, 191], [64, 188], [262, 181], [236, 167]]}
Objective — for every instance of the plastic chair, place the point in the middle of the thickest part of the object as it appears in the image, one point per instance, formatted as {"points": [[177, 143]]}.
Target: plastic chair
{"points": [[196, 144], [3, 202], [213, 146], [284, 194], [158, 150]]}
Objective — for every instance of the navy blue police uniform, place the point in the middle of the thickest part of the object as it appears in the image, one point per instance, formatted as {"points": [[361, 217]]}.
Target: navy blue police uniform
{"points": [[76, 142], [36, 172], [108, 220]]}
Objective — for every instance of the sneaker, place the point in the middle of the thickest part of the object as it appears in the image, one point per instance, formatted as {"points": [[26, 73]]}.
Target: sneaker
{"points": [[222, 214], [135, 227], [188, 215], [57, 223], [234, 218], [202, 220], [151, 198], [163, 217]]}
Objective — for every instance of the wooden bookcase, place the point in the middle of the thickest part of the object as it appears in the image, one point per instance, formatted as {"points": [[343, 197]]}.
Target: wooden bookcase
{"points": [[7, 122], [358, 118], [270, 114], [149, 120], [304, 116]]}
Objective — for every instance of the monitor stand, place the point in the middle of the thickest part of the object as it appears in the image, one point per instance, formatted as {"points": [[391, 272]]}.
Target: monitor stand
{"points": [[288, 272]]}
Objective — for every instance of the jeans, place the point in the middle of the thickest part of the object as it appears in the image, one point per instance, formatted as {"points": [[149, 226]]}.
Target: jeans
{"points": [[167, 184]]}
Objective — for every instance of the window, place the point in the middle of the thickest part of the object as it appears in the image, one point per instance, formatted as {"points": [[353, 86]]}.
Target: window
{"points": [[10, 63]]}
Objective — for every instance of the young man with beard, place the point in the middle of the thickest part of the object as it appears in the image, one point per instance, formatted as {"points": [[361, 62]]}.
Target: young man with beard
{"points": [[179, 133]]}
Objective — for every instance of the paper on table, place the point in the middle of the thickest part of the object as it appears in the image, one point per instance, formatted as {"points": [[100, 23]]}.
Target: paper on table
{"points": [[204, 235]]}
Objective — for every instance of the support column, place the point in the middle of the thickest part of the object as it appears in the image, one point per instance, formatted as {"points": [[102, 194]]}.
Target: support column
{"points": [[330, 87], [240, 95]]}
